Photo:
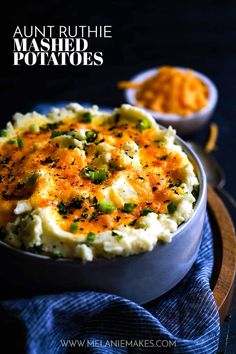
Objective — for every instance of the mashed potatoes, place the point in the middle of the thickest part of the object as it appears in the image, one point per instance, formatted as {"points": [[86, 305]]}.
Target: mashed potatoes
{"points": [[85, 184]]}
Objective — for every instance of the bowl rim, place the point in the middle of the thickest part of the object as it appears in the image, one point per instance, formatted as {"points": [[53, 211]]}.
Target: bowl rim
{"points": [[200, 202], [171, 117]]}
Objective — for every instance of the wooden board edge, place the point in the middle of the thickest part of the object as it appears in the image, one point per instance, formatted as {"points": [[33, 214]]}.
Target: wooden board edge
{"points": [[224, 285]]}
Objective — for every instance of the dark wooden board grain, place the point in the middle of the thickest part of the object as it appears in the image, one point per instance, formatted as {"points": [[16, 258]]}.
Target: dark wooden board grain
{"points": [[225, 253]]}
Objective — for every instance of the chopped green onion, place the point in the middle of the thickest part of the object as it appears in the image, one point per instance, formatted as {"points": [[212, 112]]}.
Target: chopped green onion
{"points": [[86, 172], [56, 133], [195, 192], [146, 211], [91, 135], [3, 132], [128, 207], [57, 254], [96, 177], [99, 176], [143, 124], [55, 125], [87, 118], [91, 237], [20, 142], [73, 227], [172, 207], [12, 141], [106, 207]]}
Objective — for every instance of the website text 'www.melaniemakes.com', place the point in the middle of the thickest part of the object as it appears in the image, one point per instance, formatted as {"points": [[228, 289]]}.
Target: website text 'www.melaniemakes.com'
{"points": [[117, 343]]}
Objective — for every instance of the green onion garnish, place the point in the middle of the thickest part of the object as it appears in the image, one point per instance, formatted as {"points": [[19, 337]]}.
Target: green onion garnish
{"points": [[91, 237], [55, 133], [128, 207], [143, 124], [91, 135], [146, 211], [57, 254], [73, 227], [3, 132], [20, 142], [86, 118], [12, 141], [96, 177], [106, 207], [172, 207]]}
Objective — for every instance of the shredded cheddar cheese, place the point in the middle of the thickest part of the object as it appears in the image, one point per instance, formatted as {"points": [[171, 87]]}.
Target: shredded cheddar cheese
{"points": [[171, 91], [211, 143], [80, 176]]}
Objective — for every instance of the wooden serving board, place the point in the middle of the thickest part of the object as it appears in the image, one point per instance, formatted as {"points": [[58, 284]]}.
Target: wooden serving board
{"points": [[223, 275]]}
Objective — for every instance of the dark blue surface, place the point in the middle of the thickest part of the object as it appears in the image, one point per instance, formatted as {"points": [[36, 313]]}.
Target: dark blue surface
{"points": [[187, 317]]}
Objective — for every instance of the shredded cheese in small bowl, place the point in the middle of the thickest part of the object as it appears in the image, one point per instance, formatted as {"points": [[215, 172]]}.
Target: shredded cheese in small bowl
{"points": [[174, 96]]}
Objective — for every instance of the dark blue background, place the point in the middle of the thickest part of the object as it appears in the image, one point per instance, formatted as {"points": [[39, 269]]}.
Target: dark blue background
{"points": [[196, 34]]}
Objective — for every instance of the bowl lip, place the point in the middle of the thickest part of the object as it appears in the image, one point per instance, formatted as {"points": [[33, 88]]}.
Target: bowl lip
{"points": [[199, 204], [171, 117]]}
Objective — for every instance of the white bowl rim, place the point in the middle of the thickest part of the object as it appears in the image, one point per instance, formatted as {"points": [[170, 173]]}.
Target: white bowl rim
{"points": [[144, 75]]}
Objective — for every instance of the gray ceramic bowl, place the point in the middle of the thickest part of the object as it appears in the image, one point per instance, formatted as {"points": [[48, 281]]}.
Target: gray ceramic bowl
{"points": [[140, 278], [183, 125]]}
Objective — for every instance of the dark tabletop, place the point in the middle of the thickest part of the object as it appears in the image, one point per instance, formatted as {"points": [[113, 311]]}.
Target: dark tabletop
{"points": [[200, 35]]}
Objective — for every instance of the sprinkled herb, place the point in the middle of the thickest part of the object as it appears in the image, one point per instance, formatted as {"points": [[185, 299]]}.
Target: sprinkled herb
{"points": [[56, 133], [20, 142], [86, 117], [132, 223], [172, 207], [76, 203], [12, 140], [100, 141], [91, 135], [119, 134], [94, 216], [73, 227], [20, 185], [46, 161], [62, 208], [128, 207], [106, 207], [117, 117], [163, 158], [91, 237], [143, 124], [115, 234], [3, 132], [146, 211], [51, 126], [57, 255]]}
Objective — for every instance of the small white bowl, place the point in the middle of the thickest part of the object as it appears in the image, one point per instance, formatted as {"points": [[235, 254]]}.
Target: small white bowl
{"points": [[183, 125]]}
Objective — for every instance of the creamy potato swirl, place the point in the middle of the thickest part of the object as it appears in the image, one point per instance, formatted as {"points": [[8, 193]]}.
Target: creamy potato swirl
{"points": [[85, 184]]}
